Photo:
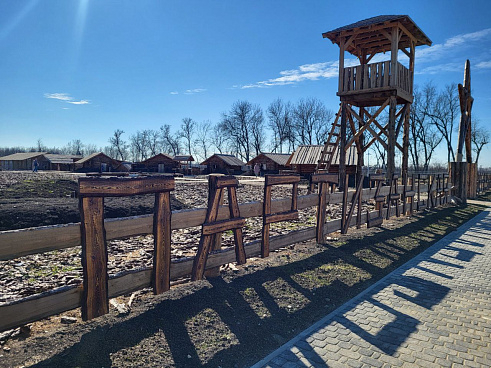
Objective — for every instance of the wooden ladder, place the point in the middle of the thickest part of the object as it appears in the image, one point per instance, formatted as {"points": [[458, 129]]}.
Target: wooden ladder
{"points": [[211, 227], [330, 146]]}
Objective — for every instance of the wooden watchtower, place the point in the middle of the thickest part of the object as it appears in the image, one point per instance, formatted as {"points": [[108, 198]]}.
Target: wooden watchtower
{"points": [[379, 84]]}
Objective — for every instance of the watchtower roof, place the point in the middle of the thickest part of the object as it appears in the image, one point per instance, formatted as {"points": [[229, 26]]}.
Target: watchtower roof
{"points": [[372, 37]]}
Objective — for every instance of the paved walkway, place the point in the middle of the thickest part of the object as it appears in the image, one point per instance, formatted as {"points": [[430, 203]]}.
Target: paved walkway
{"points": [[434, 311]]}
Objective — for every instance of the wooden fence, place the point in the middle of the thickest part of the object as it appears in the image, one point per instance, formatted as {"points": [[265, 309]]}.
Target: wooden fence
{"points": [[424, 190]]}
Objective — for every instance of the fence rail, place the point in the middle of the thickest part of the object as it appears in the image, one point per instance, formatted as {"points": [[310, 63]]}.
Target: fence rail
{"points": [[17, 243]]}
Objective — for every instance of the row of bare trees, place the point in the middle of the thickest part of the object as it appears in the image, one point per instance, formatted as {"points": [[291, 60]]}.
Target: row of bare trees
{"points": [[242, 131]]}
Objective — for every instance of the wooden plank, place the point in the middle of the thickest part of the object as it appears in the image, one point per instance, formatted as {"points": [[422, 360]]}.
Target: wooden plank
{"points": [[240, 255], [281, 179], [162, 243], [95, 300], [226, 181], [377, 221], [282, 216], [118, 187], [373, 75], [321, 211], [223, 225], [325, 177]]}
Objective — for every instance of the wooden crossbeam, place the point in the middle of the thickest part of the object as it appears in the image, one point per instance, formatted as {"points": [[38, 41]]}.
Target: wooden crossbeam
{"points": [[211, 226], [95, 300], [268, 217]]}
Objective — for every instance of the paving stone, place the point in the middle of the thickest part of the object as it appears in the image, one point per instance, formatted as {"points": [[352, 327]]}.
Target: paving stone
{"points": [[412, 317]]}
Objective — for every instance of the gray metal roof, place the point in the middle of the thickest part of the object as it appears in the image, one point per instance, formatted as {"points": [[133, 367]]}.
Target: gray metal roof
{"points": [[311, 154], [228, 159], [61, 159], [22, 156], [279, 158]]}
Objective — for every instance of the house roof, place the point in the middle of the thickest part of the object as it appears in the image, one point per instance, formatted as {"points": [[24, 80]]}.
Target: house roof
{"points": [[184, 158], [22, 156], [371, 34], [157, 156], [61, 159], [311, 154], [279, 158], [90, 157], [230, 160]]}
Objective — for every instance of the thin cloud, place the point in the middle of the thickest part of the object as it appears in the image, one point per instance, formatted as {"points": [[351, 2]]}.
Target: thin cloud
{"points": [[193, 91], [66, 98], [58, 96], [483, 65], [329, 69], [174, 93]]}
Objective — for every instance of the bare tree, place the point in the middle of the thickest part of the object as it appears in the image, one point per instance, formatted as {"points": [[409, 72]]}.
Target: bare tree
{"points": [[91, 148], [202, 141], [310, 121], [218, 138], [120, 146], [188, 127], [153, 142], [243, 124], [479, 137], [139, 145], [445, 111], [424, 137], [170, 142], [280, 120]]}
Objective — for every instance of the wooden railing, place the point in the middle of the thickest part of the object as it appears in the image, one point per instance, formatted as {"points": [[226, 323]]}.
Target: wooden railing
{"points": [[363, 78], [17, 243]]}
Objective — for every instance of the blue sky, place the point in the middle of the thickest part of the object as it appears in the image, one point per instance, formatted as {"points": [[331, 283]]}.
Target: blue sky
{"points": [[80, 69]]}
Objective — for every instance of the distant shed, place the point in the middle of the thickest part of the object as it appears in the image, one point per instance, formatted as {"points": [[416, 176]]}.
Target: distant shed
{"points": [[99, 162], [304, 160], [270, 163], [61, 162], [22, 161], [224, 164], [160, 163]]}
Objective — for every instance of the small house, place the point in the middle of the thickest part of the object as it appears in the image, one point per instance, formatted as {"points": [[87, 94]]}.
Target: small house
{"points": [[270, 163], [99, 162], [304, 160], [23, 161], [60, 162], [224, 164], [160, 163], [185, 165]]}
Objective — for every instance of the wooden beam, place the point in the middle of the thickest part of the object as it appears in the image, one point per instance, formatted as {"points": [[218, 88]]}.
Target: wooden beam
{"points": [[119, 187]]}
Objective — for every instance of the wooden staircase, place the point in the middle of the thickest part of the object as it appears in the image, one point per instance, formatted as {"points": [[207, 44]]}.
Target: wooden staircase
{"points": [[330, 147]]}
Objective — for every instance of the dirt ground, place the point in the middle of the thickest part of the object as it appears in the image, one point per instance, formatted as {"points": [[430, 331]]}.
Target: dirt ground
{"points": [[232, 320]]}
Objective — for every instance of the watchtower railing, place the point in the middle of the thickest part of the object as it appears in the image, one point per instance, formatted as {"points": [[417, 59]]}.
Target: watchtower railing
{"points": [[364, 78]]}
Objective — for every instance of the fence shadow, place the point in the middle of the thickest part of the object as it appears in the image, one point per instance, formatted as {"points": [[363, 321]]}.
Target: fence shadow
{"points": [[160, 333]]}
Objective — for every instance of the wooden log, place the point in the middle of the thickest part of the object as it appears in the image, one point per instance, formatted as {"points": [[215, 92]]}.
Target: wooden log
{"points": [[281, 179], [95, 301], [118, 187], [162, 243], [223, 225], [225, 181], [282, 216]]}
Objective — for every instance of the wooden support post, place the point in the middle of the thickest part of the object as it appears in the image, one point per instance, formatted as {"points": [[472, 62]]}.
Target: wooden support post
{"points": [[394, 196], [405, 156], [216, 240], [342, 148], [211, 226], [268, 217], [391, 141], [378, 179], [323, 181], [344, 209], [95, 301], [347, 220], [162, 242]]}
